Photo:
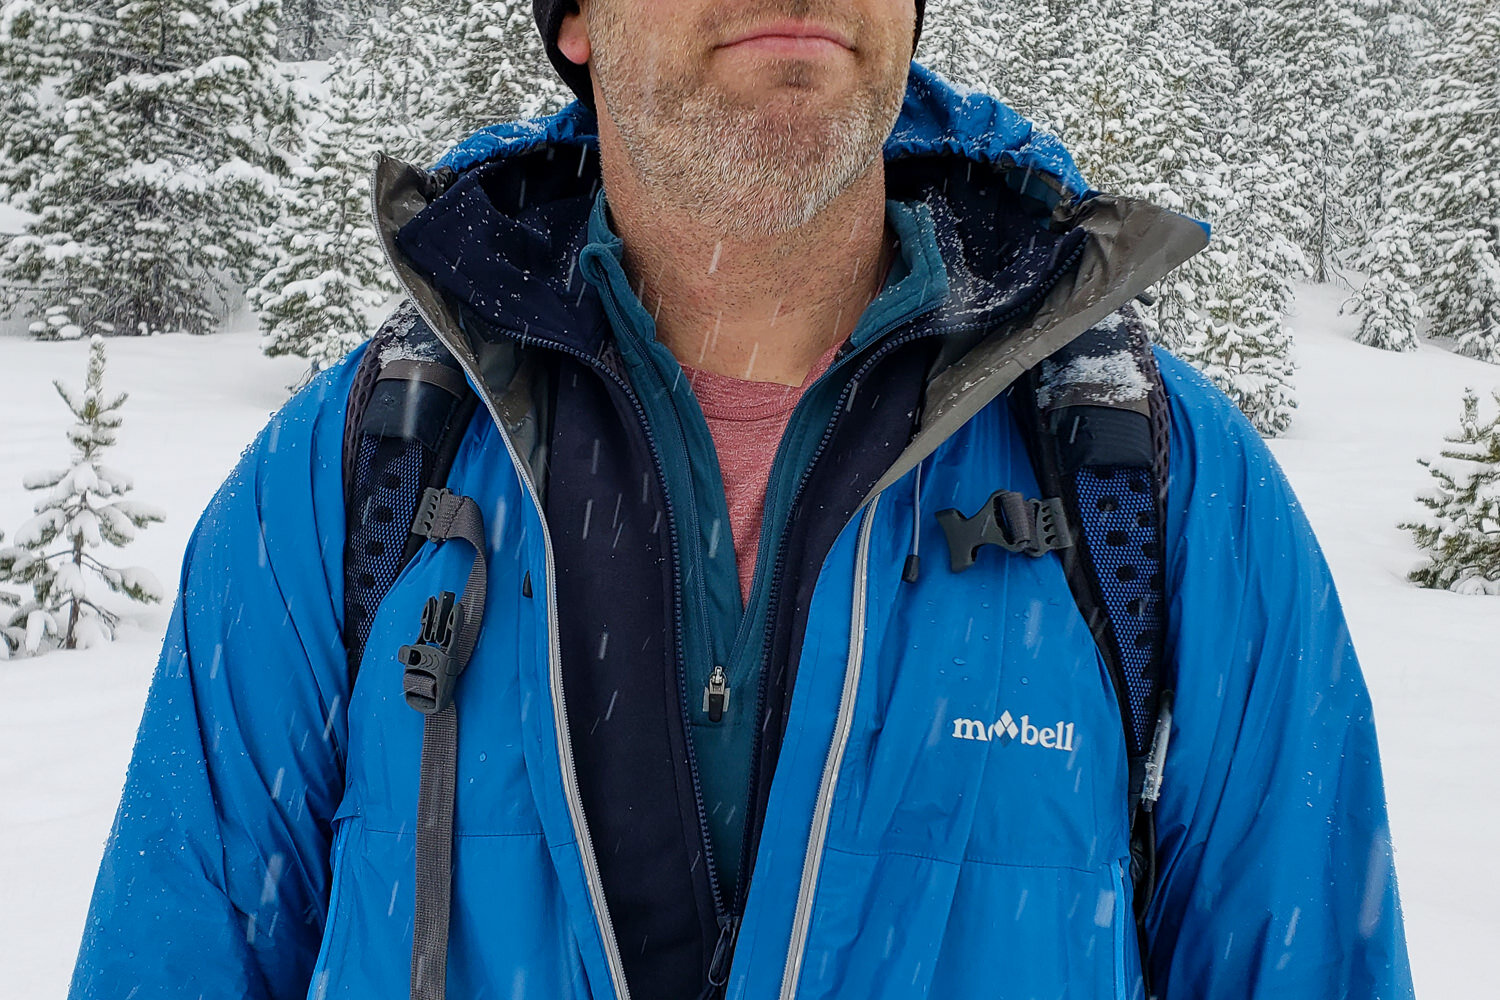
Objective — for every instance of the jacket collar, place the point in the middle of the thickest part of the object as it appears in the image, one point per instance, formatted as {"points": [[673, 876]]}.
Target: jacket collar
{"points": [[496, 229]]}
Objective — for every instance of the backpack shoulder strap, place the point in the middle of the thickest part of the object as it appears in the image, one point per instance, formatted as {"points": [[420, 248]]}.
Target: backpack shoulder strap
{"points": [[408, 409], [1095, 417]]}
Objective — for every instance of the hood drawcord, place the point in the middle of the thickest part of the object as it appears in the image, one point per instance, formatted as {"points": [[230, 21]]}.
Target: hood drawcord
{"points": [[913, 560]]}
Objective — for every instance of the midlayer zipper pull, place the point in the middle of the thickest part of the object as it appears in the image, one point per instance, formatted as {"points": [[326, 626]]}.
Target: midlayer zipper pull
{"points": [[718, 965], [716, 694]]}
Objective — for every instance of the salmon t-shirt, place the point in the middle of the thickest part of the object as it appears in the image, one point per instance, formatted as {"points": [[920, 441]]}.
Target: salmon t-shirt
{"points": [[746, 420]]}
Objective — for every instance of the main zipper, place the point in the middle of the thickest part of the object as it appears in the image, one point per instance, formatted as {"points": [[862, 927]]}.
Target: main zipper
{"points": [[812, 862], [554, 654]]}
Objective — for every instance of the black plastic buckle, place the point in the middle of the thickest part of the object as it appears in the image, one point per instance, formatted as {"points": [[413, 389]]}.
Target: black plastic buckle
{"points": [[427, 511], [431, 672], [1049, 527], [1007, 520]]}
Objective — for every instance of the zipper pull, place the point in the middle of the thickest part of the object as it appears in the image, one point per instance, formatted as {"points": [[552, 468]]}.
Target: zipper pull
{"points": [[718, 966], [716, 694]]}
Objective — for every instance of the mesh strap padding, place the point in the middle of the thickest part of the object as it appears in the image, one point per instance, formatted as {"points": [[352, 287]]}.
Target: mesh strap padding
{"points": [[389, 476], [1117, 511]]}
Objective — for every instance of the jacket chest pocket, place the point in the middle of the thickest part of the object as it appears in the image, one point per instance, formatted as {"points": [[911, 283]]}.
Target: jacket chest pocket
{"points": [[986, 727]]}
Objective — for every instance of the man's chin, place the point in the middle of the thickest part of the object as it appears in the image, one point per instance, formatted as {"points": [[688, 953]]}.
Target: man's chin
{"points": [[783, 84]]}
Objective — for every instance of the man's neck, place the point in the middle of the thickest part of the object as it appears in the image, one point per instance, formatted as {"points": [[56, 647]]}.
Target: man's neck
{"points": [[753, 307]]}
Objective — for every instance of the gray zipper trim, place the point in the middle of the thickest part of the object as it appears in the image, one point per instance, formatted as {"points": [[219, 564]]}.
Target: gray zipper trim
{"points": [[430, 309], [813, 862]]}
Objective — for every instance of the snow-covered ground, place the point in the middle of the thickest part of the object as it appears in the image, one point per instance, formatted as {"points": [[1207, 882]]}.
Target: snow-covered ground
{"points": [[67, 721]]}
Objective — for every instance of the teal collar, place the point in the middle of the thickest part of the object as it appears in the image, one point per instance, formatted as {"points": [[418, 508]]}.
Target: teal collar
{"points": [[918, 279]]}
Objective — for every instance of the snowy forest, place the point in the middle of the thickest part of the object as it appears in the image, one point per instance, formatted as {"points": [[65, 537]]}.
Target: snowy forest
{"points": [[171, 156], [164, 162]]}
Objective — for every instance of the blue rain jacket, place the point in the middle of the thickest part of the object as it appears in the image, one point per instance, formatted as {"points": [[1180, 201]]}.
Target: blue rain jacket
{"points": [[264, 843]]}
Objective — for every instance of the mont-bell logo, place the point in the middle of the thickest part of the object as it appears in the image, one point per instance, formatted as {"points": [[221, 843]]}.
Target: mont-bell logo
{"points": [[1007, 729]]}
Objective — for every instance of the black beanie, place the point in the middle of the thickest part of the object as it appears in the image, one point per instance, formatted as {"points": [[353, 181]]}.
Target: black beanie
{"points": [[549, 18]]}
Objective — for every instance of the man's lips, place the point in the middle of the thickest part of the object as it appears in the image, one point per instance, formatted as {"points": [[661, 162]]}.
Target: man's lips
{"points": [[795, 38]]}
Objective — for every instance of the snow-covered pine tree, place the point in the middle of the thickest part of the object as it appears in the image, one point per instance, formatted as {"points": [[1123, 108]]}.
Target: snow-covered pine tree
{"points": [[399, 78], [1450, 175], [167, 144], [329, 272], [1384, 94], [1460, 533], [83, 507], [479, 62], [1153, 109], [499, 71], [1387, 302], [35, 43], [1300, 64]]}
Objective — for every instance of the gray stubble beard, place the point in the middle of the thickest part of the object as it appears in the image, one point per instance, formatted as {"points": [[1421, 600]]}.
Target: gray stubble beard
{"points": [[732, 166]]}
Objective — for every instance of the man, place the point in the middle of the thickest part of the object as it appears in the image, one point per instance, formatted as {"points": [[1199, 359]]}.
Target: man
{"points": [[722, 731]]}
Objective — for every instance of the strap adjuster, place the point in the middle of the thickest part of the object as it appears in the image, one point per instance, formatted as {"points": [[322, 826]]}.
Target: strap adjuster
{"points": [[431, 669], [429, 510]]}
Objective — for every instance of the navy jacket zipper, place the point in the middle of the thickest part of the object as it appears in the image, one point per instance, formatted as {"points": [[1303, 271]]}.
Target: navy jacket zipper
{"points": [[721, 910]]}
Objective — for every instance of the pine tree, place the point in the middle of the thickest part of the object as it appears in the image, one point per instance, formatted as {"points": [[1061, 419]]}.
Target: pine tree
{"points": [[329, 271], [163, 166], [401, 81], [35, 43], [1461, 531], [478, 63], [499, 71], [1450, 176], [83, 507], [1384, 95], [1300, 66], [1387, 302]]}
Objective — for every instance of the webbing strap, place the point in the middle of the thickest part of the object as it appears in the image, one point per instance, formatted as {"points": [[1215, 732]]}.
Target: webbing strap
{"points": [[450, 628], [434, 885]]}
